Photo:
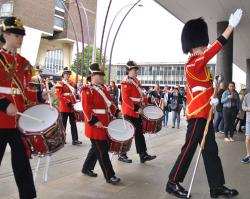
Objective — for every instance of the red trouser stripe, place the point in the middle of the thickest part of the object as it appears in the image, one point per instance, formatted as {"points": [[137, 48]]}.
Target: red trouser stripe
{"points": [[101, 160], [185, 152]]}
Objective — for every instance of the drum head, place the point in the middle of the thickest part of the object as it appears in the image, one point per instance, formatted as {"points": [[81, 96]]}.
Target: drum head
{"points": [[78, 107], [119, 132], [152, 112], [43, 112]]}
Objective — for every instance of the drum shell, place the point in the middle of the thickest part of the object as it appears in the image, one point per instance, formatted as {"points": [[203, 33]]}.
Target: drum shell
{"points": [[47, 141], [151, 126], [117, 146]]}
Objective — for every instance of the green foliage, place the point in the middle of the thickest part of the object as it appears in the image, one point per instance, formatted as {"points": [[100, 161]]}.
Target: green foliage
{"points": [[73, 66]]}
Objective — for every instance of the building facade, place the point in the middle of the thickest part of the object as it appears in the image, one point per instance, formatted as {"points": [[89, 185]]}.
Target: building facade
{"points": [[50, 39], [149, 74]]}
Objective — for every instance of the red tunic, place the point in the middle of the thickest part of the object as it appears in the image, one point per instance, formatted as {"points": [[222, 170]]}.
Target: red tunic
{"points": [[198, 75], [132, 98], [19, 72], [65, 95], [92, 103]]}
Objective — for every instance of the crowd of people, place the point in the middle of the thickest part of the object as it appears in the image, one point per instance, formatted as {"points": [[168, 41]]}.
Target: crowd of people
{"points": [[19, 91]]}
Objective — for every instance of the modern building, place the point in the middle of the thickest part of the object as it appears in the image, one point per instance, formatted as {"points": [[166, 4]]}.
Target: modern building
{"points": [[50, 38], [149, 74]]}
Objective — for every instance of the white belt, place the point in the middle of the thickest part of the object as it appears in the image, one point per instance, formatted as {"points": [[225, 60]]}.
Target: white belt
{"points": [[198, 88], [67, 94], [99, 111], [135, 99], [11, 91]]}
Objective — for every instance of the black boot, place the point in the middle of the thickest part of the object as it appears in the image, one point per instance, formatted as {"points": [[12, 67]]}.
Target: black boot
{"points": [[124, 158], [89, 173], [176, 189], [114, 180], [223, 191], [76, 142], [145, 157]]}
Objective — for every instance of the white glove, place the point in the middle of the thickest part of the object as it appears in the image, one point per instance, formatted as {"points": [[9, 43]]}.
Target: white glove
{"points": [[214, 101], [235, 18]]}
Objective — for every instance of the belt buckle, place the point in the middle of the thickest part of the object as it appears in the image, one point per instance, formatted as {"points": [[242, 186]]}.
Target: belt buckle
{"points": [[13, 91]]}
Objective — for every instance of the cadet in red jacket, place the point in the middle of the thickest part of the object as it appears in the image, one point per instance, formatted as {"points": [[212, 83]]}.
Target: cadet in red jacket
{"points": [[199, 92], [15, 96], [132, 102], [98, 107], [66, 96]]}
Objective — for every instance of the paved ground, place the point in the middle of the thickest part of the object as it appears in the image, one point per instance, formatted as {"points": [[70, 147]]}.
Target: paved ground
{"points": [[145, 181]]}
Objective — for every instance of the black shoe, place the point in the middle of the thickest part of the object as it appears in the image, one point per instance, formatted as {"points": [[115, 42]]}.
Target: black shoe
{"points": [[223, 191], [176, 189], [114, 180], [124, 158], [76, 142], [145, 157], [89, 173]]}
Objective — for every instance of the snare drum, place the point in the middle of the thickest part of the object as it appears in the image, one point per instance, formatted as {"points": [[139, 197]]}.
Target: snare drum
{"points": [[46, 137], [78, 111], [152, 119], [121, 135]]}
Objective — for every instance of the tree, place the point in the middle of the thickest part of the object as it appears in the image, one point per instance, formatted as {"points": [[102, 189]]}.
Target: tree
{"points": [[73, 66]]}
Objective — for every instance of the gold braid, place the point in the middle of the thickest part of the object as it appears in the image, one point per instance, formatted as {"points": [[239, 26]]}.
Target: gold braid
{"points": [[15, 79]]}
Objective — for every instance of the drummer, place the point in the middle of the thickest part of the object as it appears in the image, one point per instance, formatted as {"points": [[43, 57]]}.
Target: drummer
{"points": [[98, 108], [66, 91], [15, 96], [132, 102]]}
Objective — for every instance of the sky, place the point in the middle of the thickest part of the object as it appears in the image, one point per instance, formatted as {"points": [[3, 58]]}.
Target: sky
{"points": [[149, 34]]}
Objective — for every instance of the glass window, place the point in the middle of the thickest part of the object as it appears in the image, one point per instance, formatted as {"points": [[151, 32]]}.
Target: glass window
{"points": [[6, 9], [54, 61], [59, 4], [58, 21]]}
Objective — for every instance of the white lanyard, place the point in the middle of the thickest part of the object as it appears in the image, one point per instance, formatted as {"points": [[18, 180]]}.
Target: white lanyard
{"points": [[137, 86], [100, 91], [69, 86]]}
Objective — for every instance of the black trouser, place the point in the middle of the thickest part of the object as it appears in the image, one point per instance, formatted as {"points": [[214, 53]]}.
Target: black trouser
{"points": [[99, 151], [229, 119], [20, 162], [211, 159], [72, 122], [140, 142]]}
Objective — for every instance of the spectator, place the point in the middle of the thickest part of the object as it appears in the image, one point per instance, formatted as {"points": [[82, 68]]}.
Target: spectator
{"points": [[184, 99], [241, 115], [231, 102], [114, 92], [155, 95], [166, 105], [176, 106], [219, 120], [246, 107]]}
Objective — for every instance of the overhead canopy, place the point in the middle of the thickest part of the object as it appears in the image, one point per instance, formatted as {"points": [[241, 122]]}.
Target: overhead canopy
{"points": [[214, 11]]}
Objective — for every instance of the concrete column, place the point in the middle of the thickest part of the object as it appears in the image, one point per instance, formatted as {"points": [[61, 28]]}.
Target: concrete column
{"points": [[224, 65], [248, 75]]}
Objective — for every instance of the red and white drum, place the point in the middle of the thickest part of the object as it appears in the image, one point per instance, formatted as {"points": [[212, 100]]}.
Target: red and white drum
{"points": [[44, 137], [152, 119], [121, 134], [78, 111]]}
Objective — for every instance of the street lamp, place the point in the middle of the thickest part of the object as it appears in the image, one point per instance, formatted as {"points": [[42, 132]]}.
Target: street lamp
{"points": [[112, 47], [107, 40]]}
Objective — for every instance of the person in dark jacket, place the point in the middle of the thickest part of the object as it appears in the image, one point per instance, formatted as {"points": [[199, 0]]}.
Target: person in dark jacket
{"points": [[218, 120], [176, 106]]}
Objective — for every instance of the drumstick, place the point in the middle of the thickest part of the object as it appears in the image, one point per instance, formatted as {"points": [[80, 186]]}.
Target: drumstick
{"points": [[112, 129], [47, 88], [124, 122], [155, 101], [29, 116]]}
